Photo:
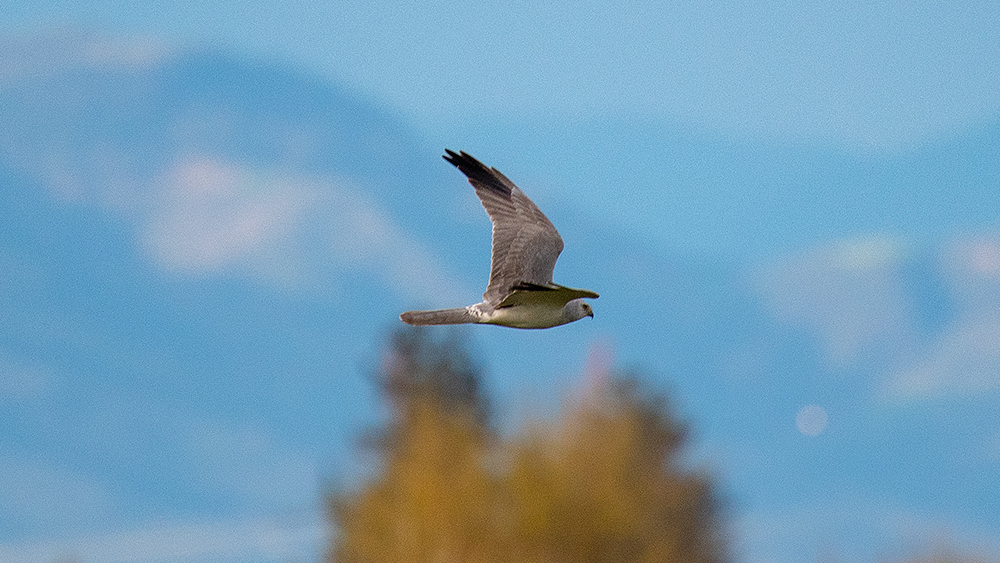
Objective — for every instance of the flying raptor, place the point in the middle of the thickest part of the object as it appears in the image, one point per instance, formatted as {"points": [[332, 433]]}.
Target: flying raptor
{"points": [[520, 292]]}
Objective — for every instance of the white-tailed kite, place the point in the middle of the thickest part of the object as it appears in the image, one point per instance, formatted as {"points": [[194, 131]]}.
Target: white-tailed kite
{"points": [[520, 292]]}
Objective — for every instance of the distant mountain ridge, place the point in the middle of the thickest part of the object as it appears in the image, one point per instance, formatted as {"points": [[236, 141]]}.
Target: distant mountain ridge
{"points": [[203, 253]]}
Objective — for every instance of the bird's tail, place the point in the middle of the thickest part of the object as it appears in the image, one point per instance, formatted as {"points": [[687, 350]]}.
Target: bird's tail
{"points": [[438, 317]]}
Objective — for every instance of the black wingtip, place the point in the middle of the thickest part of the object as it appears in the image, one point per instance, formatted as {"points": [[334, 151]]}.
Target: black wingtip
{"points": [[474, 170], [465, 162]]}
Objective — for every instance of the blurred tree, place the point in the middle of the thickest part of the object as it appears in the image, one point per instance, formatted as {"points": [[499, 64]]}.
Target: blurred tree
{"points": [[605, 484], [417, 370], [432, 500], [602, 484]]}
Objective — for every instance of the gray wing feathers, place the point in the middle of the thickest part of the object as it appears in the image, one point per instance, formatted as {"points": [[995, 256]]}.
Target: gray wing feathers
{"points": [[439, 317], [525, 243]]}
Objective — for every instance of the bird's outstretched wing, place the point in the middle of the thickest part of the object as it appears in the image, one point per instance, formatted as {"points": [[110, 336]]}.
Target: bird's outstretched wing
{"points": [[525, 244]]}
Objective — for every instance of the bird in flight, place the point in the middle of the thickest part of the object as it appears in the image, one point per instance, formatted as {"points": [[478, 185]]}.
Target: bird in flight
{"points": [[520, 292]]}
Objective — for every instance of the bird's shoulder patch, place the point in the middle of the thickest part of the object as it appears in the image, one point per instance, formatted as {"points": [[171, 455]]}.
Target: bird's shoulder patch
{"points": [[527, 293]]}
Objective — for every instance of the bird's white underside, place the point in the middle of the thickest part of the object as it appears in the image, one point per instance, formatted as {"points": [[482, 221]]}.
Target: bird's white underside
{"points": [[521, 316]]}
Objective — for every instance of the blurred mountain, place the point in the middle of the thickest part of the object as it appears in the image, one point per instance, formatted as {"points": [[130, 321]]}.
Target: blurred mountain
{"points": [[201, 253], [135, 148], [203, 247]]}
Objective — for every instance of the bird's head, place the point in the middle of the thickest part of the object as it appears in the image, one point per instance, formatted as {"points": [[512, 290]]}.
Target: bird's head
{"points": [[578, 308]]}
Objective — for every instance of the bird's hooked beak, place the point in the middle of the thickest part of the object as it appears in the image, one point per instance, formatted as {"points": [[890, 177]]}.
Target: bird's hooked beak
{"points": [[591, 313]]}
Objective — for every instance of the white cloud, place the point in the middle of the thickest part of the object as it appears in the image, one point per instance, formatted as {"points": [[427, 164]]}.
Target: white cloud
{"points": [[964, 358], [849, 294], [203, 216], [210, 217], [262, 539], [973, 267], [197, 214], [852, 296]]}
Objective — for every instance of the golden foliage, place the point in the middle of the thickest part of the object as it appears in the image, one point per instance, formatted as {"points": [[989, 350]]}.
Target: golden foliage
{"points": [[602, 484], [432, 501]]}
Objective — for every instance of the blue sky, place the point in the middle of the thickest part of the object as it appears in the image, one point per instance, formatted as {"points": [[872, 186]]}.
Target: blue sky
{"points": [[861, 75], [219, 209]]}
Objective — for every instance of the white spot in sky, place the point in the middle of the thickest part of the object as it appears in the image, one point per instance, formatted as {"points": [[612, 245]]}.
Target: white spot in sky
{"points": [[811, 420]]}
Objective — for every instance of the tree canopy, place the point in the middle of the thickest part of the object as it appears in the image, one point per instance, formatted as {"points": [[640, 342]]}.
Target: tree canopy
{"points": [[601, 483]]}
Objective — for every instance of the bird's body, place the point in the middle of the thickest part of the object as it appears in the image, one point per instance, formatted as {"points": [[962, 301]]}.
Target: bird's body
{"points": [[520, 293], [527, 315]]}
